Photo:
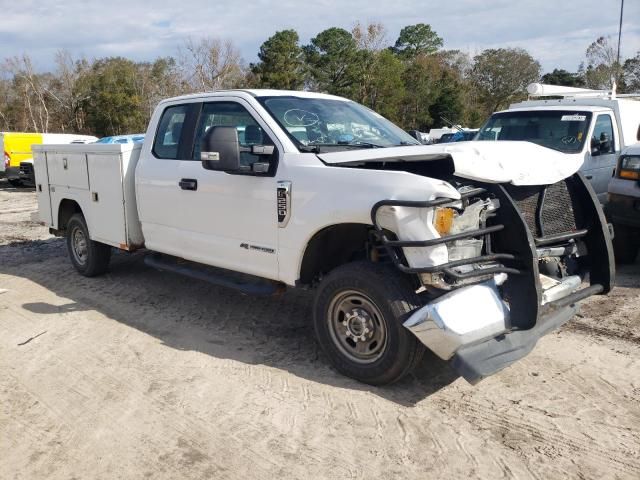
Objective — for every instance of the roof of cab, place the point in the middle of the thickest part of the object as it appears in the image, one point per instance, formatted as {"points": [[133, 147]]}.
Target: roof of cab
{"points": [[254, 93], [572, 108], [632, 149]]}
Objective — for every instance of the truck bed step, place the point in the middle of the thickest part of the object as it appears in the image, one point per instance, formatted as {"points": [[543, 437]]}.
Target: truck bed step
{"points": [[247, 284]]}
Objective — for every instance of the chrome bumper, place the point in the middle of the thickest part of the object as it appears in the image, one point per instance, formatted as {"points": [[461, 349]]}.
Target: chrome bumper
{"points": [[463, 317]]}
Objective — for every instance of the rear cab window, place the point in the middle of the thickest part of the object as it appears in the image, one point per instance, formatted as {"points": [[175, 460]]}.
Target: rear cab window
{"points": [[167, 141]]}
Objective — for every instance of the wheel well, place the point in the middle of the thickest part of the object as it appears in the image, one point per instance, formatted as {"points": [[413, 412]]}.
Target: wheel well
{"points": [[334, 246], [67, 209]]}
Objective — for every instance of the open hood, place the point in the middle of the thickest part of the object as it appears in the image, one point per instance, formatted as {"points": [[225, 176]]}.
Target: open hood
{"points": [[519, 163]]}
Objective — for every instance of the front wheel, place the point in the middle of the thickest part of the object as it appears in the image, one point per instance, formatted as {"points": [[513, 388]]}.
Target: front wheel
{"points": [[358, 314], [89, 258]]}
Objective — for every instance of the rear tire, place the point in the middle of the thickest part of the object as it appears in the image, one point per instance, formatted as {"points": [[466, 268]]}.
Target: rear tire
{"points": [[358, 314], [89, 258], [625, 243]]}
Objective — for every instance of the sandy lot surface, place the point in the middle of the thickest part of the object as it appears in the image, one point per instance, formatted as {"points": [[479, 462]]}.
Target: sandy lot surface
{"points": [[141, 374]]}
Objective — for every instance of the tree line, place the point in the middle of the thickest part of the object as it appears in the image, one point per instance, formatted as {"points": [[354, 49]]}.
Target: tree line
{"points": [[414, 81]]}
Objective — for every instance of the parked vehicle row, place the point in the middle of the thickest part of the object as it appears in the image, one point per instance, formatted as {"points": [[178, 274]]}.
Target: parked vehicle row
{"points": [[407, 246]]}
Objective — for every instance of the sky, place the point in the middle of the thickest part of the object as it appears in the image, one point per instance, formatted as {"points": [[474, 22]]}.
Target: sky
{"points": [[555, 32]]}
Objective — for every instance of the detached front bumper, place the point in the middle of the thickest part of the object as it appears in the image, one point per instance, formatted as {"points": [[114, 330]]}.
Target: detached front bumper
{"points": [[471, 327]]}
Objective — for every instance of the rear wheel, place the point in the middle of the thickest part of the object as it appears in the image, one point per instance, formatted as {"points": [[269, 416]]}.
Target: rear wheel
{"points": [[625, 243], [89, 258], [358, 314]]}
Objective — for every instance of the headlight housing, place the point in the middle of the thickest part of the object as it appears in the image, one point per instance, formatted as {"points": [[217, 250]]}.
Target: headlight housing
{"points": [[630, 167]]}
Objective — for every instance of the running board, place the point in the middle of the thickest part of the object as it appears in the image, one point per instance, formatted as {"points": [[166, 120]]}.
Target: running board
{"points": [[247, 284]]}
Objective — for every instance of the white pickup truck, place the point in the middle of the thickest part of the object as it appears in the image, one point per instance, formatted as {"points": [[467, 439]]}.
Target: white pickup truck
{"points": [[472, 250], [593, 126]]}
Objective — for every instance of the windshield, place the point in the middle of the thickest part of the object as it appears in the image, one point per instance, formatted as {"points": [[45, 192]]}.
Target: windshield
{"points": [[562, 130], [316, 124]]}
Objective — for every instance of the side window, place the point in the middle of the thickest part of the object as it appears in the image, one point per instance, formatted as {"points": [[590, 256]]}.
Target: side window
{"points": [[603, 134], [231, 114], [167, 139]]}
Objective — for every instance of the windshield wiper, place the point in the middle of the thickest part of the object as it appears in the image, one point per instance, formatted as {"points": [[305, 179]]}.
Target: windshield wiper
{"points": [[359, 143]]}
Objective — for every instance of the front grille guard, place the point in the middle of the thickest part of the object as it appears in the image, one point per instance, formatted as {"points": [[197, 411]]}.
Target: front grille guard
{"points": [[393, 247]]}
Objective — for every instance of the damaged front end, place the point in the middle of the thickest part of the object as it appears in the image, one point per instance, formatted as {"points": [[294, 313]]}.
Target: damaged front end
{"points": [[503, 265]]}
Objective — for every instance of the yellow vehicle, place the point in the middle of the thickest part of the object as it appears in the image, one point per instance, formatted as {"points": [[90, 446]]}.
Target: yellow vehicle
{"points": [[17, 162]]}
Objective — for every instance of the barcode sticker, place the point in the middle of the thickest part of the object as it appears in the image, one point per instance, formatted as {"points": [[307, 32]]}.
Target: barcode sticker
{"points": [[573, 118]]}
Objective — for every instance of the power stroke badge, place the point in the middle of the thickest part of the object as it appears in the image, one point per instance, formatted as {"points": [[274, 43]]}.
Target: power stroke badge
{"points": [[283, 202]]}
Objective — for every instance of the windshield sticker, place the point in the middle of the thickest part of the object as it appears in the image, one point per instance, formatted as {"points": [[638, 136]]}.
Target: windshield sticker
{"points": [[573, 118], [300, 118]]}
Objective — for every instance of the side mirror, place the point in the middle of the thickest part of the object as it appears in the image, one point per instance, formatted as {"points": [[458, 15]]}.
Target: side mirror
{"points": [[595, 147], [605, 143], [220, 150]]}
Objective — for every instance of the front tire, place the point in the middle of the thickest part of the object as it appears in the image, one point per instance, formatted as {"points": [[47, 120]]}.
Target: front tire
{"points": [[89, 258], [358, 314], [625, 243]]}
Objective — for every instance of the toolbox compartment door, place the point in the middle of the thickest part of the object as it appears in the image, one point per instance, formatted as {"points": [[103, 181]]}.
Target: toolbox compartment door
{"points": [[107, 208], [68, 169], [42, 187]]}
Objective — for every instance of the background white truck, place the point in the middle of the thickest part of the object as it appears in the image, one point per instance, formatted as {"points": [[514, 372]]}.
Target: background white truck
{"points": [[592, 125], [472, 250]]}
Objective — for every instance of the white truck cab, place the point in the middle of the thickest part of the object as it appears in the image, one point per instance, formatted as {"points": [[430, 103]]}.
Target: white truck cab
{"points": [[588, 124], [473, 250]]}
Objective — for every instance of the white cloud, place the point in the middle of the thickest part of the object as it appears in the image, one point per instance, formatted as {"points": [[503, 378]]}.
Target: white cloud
{"points": [[555, 33]]}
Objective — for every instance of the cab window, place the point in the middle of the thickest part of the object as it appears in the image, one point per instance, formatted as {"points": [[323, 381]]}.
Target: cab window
{"points": [[167, 139], [603, 135], [231, 114]]}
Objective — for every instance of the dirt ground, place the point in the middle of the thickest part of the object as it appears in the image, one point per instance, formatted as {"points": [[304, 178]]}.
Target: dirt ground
{"points": [[142, 374]]}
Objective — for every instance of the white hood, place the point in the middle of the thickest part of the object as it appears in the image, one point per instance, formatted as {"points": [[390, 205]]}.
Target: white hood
{"points": [[520, 163]]}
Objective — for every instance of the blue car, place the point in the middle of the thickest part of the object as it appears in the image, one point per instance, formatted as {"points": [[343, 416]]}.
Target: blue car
{"points": [[133, 138]]}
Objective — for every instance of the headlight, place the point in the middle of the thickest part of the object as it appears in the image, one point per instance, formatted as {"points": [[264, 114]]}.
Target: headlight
{"points": [[449, 221], [443, 220], [630, 167]]}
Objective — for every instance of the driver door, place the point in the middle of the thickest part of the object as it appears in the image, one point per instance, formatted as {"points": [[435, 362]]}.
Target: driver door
{"points": [[227, 220], [603, 155]]}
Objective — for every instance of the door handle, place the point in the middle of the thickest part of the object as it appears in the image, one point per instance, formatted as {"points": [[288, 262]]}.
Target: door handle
{"points": [[588, 177], [188, 184]]}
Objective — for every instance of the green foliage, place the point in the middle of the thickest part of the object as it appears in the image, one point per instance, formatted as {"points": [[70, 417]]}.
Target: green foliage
{"points": [[113, 105], [417, 39], [448, 103], [563, 78], [631, 72], [383, 88], [332, 58], [602, 65], [413, 83], [281, 62], [421, 78], [502, 75]]}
